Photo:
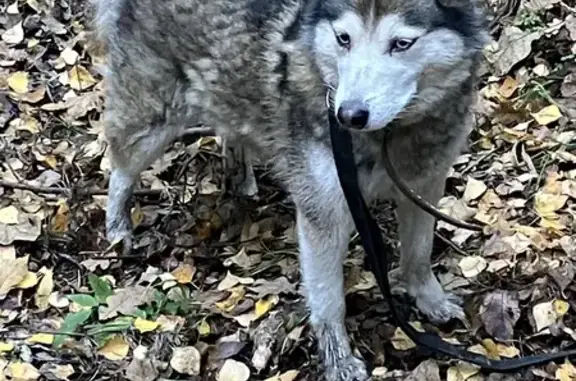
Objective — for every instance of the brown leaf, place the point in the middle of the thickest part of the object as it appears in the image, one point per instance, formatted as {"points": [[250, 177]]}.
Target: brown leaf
{"points": [[125, 301], [513, 46], [426, 371], [499, 313]]}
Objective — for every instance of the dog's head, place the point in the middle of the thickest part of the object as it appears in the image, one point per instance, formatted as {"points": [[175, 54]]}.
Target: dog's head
{"points": [[391, 59]]}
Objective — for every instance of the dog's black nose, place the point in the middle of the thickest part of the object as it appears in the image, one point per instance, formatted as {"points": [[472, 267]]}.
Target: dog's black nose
{"points": [[353, 114]]}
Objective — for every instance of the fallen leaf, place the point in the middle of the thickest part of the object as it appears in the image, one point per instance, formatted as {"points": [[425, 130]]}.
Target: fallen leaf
{"points": [[513, 46], [18, 81], [231, 280], [401, 341], [6, 347], [233, 370], [548, 313], [55, 371], [509, 86], [21, 371], [472, 266], [236, 294], [45, 289], [142, 367], [426, 371], [286, 376], [461, 372], [203, 328], [69, 55], [186, 360], [80, 78], [264, 305], [41, 338], [566, 372], [29, 281], [115, 349], [474, 189], [547, 115], [143, 325], [125, 301], [499, 313], [12, 272], [184, 273], [263, 287], [60, 219], [14, 35], [9, 215]]}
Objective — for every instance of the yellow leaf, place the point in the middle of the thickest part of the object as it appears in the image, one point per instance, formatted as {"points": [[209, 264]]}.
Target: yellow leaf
{"points": [[9, 215], [80, 78], [184, 273], [115, 349], [491, 349], [30, 280], [6, 347], [44, 290], [508, 87], [264, 305], [18, 82], [60, 219], [506, 351], [203, 328], [136, 215], [561, 307], [22, 371], [144, 325], [547, 115], [552, 224], [401, 341], [566, 372], [41, 338], [12, 272], [236, 294], [461, 372], [548, 203]]}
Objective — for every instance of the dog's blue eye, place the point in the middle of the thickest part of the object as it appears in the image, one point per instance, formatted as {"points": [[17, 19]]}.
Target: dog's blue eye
{"points": [[401, 44], [343, 39]]}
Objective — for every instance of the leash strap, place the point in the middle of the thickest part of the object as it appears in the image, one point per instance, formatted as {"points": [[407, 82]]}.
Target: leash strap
{"points": [[377, 252]]}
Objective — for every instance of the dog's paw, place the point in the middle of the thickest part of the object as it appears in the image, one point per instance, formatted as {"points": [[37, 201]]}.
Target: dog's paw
{"points": [[348, 369], [442, 309], [120, 239]]}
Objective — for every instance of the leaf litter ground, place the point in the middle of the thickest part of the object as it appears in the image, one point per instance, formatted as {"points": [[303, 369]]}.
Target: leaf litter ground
{"points": [[212, 288]]}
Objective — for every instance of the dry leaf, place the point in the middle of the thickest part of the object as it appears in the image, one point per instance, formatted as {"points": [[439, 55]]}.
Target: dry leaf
{"points": [[12, 272], [547, 115], [233, 370], [14, 35], [548, 313], [513, 46], [186, 360], [236, 294], [232, 280], [18, 81], [566, 372], [41, 338], [499, 313], [143, 325], [472, 266], [45, 289], [461, 372], [184, 273], [58, 372], [286, 376], [264, 305], [508, 87], [203, 328], [115, 349], [125, 301], [548, 203], [80, 78], [21, 371], [9, 215], [6, 347], [29, 281], [401, 341], [141, 368]]}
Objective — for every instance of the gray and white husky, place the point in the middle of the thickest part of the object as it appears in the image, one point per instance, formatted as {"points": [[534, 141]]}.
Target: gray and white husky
{"points": [[257, 71]]}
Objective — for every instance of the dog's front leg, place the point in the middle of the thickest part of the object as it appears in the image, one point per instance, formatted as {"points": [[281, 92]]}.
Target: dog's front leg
{"points": [[324, 225], [416, 228], [322, 250]]}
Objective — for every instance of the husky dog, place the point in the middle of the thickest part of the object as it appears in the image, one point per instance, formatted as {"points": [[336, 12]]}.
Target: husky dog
{"points": [[257, 71]]}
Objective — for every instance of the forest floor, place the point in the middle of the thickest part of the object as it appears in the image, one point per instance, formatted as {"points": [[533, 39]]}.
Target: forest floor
{"points": [[211, 290]]}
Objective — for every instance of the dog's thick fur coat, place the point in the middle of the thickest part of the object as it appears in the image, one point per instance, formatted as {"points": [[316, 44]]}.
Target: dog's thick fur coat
{"points": [[257, 72]]}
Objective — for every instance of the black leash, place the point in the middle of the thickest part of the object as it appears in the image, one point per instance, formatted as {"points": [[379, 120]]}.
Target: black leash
{"points": [[377, 252]]}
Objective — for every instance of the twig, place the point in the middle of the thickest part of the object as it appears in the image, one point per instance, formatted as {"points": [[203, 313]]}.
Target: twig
{"points": [[451, 244], [90, 192]]}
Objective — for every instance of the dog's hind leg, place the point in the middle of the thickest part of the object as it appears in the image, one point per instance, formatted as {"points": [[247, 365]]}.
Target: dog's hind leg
{"points": [[324, 225], [129, 157], [416, 229]]}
